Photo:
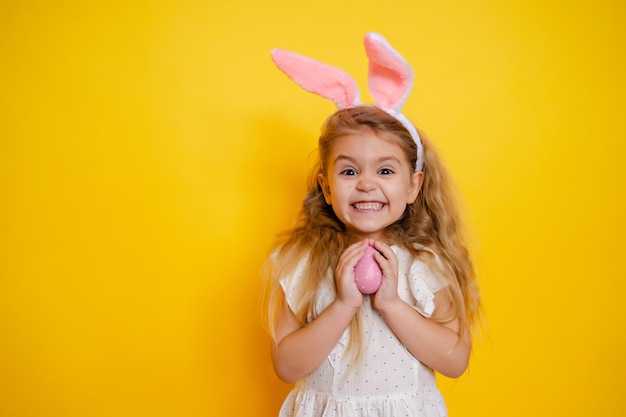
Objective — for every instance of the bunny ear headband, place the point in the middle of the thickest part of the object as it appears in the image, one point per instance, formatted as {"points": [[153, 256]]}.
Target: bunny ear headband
{"points": [[390, 79]]}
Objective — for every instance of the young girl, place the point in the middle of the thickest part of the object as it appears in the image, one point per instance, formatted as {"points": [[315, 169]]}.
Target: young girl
{"points": [[378, 183]]}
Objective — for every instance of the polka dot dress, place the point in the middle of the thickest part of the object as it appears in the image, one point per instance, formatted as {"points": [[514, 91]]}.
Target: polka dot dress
{"points": [[388, 381]]}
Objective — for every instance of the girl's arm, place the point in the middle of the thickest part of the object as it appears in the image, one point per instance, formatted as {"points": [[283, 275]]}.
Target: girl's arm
{"points": [[433, 343], [436, 345], [299, 350]]}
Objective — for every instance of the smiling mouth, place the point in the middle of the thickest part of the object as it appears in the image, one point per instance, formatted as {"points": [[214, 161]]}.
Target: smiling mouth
{"points": [[368, 206]]}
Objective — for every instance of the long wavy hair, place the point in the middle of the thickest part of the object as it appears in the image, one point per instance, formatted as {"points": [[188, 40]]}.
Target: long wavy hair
{"points": [[432, 221]]}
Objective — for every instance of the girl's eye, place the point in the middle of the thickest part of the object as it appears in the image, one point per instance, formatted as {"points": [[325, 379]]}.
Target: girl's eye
{"points": [[386, 171], [348, 171]]}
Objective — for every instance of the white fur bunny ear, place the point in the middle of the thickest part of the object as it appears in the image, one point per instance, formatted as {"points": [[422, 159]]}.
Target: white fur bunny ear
{"points": [[319, 78], [390, 77]]}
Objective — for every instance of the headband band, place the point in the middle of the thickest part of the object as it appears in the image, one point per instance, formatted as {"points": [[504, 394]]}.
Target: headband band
{"points": [[390, 79]]}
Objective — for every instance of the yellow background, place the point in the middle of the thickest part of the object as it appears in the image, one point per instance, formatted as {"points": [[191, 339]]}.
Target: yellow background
{"points": [[150, 151]]}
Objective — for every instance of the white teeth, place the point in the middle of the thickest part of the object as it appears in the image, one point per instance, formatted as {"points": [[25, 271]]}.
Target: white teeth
{"points": [[368, 206]]}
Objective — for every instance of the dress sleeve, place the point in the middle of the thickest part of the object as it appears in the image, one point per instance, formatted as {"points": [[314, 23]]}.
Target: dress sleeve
{"points": [[424, 282], [290, 282]]}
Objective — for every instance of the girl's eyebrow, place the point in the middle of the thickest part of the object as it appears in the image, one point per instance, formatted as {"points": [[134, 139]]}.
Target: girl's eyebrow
{"points": [[379, 160]]}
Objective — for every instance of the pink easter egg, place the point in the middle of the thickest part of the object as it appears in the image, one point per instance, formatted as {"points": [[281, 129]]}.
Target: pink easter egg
{"points": [[367, 273]]}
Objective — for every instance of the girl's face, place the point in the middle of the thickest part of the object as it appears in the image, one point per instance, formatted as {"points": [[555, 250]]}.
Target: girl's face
{"points": [[368, 181]]}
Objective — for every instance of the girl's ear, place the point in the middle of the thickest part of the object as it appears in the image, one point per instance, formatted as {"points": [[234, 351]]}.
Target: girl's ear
{"points": [[417, 180], [325, 188]]}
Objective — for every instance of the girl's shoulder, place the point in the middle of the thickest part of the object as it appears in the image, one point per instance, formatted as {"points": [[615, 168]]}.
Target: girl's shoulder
{"points": [[293, 270], [288, 263], [420, 273], [418, 255]]}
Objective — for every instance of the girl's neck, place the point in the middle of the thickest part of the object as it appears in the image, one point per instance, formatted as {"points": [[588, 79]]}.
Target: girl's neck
{"points": [[357, 237]]}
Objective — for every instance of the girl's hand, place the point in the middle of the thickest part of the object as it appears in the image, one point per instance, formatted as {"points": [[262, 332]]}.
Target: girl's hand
{"points": [[347, 290], [387, 294]]}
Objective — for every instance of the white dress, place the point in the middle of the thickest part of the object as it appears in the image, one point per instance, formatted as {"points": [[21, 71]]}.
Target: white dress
{"points": [[387, 381]]}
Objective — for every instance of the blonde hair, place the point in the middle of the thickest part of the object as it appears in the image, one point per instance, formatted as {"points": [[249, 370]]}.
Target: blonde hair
{"points": [[432, 221]]}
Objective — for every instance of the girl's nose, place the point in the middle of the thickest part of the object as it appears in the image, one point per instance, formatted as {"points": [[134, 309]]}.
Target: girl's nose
{"points": [[366, 184]]}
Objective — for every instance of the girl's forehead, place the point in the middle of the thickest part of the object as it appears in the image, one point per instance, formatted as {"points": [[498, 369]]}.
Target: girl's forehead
{"points": [[366, 141]]}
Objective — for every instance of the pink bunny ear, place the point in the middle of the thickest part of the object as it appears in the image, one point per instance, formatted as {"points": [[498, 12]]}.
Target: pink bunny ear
{"points": [[390, 80], [319, 78], [390, 77]]}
